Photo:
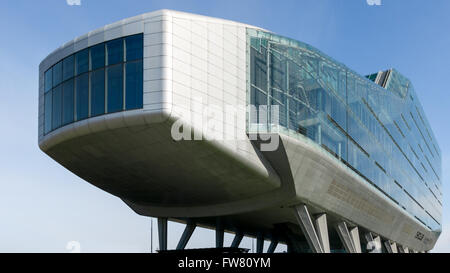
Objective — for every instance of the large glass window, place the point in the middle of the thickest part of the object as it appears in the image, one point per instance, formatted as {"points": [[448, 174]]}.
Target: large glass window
{"points": [[48, 80], [134, 85], [68, 102], [82, 96], [349, 116], [47, 112], [98, 56], [115, 51], [98, 92], [134, 45], [68, 68], [115, 88], [94, 81], [57, 74], [56, 107], [82, 61]]}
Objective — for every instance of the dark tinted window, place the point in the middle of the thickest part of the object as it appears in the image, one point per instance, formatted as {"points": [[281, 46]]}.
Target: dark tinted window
{"points": [[98, 92], [56, 107], [82, 96], [48, 112], [98, 56], [68, 102], [134, 47], [134, 85], [82, 61], [68, 67], [57, 74], [48, 80], [115, 88], [115, 51]]}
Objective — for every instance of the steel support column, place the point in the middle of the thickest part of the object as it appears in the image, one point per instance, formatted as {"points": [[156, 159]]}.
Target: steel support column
{"points": [[304, 219], [259, 242], [345, 237], [219, 234], [162, 233], [187, 233], [322, 232]]}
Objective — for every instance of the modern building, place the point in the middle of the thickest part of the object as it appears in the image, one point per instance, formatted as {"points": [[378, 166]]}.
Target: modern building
{"points": [[343, 162]]}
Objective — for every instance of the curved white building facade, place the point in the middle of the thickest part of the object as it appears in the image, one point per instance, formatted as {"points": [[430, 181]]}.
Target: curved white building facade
{"points": [[164, 111]]}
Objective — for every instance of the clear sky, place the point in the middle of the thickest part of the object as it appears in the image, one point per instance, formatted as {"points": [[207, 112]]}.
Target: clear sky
{"points": [[43, 206]]}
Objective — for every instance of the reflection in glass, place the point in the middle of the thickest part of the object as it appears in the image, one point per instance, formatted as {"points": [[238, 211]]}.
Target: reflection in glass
{"points": [[134, 85], [82, 96], [115, 88]]}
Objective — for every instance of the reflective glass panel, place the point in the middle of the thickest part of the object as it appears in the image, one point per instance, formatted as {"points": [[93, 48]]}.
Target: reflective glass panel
{"points": [[134, 85], [98, 92], [82, 96], [48, 112], [68, 102], [57, 74], [115, 51], [98, 56], [48, 80], [68, 67], [57, 107], [82, 61], [115, 88], [134, 46]]}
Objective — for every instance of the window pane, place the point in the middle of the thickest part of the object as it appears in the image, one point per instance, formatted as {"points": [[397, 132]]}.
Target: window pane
{"points": [[98, 92], [48, 112], [82, 61], [56, 108], [98, 56], [68, 103], [48, 80], [57, 74], [134, 48], [68, 67], [134, 85], [115, 88], [82, 96], [115, 51]]}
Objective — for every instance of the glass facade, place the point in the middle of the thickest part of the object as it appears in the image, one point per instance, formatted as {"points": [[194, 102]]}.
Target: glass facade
{"points": [[104, 78], [379, 133]]}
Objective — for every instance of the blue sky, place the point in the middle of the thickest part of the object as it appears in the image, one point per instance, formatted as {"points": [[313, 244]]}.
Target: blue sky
{"points": [[43, 206]]}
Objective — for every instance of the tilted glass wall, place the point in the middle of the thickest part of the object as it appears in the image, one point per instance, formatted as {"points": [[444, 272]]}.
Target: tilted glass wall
{"points": [[104, 78], [381, 134]]}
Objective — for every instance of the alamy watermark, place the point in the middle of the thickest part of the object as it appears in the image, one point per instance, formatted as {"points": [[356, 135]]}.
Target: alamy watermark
{"points": [[73, 2], [214, 122]]}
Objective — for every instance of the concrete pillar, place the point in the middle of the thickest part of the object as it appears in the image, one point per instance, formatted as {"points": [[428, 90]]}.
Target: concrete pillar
{"points": [[162, 233], [406, 249], [260, 242], [305, 222], [345, 237], [237, 239], [272, 246], [187, 233], [394, 247], [400, 249], [354, 233], [322, 232]]}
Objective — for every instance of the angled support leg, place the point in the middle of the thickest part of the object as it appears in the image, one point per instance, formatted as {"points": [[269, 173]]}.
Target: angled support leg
{"points": [[237, 239], [272, 246], [187, 233], [387, 245], [406, 249], [306, 224], [345, 237], [322, 232], [400, 249], [354, 233], [162, 233]]}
